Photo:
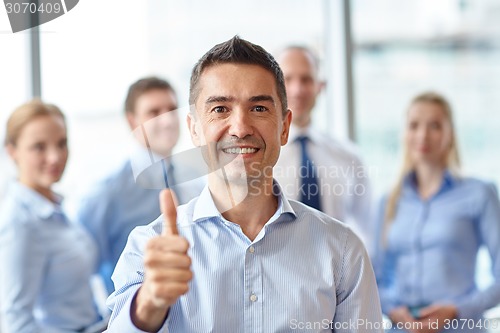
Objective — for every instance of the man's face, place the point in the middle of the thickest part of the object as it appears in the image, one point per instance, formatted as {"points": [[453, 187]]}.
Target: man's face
{"points": [[239, 117], [156, 111], [302, 84]]}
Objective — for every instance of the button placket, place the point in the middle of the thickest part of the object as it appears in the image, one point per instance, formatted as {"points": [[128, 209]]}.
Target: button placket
{"points": [[253, 291]]}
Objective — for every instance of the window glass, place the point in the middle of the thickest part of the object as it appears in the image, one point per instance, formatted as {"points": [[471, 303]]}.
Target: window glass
{"points": [[14, 85]]}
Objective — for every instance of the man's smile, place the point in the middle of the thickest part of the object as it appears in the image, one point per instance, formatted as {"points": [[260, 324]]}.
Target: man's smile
{"points": [[240, 150]]}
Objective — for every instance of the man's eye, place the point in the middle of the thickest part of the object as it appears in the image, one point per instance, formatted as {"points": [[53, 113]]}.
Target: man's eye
{"points": [[63, 144], [219, 109], [435, 126], [307, 80], [259, 108], [153, 113]]}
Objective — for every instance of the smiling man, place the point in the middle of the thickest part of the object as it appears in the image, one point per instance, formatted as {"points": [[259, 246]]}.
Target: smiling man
{"points": [[242, 257]]}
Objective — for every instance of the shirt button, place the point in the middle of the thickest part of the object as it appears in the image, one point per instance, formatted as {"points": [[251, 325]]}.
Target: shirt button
{"points": [[251, 249], [253, 297]]}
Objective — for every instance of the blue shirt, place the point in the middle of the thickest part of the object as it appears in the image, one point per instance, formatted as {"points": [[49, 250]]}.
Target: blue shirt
{"points": [[431, 247], [303, 271], [114, 206], [46, 264]]}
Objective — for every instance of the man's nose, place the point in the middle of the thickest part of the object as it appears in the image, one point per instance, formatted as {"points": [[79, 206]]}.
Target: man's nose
{"points": [[240, 124]]}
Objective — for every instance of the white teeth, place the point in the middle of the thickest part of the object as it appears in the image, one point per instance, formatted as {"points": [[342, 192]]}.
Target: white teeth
{"points": [[240, 150]]}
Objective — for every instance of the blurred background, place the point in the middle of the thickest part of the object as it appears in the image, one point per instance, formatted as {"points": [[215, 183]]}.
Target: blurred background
{"points": [[376, 55]]}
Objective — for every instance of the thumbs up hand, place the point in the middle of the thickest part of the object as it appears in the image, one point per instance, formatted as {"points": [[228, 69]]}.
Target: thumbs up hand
{"points": [[167, 271]]}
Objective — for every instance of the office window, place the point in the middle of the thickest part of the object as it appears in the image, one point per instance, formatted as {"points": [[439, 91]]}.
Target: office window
{"points": [[402, 49], [14, 86]]}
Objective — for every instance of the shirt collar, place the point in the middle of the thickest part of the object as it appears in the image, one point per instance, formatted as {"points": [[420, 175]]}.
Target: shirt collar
{"points": [[205, 207], [410, 181], [284, 210], [296, 132], [147, 166], [37, 203]]}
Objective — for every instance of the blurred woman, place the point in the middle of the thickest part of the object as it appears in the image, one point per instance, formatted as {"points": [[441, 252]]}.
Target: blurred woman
{"points": [[431, 226], [46, 262]]}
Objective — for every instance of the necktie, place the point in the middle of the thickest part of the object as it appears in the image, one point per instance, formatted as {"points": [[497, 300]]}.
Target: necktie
{"points": [[309, 187], [168, 174], [168, 177]]}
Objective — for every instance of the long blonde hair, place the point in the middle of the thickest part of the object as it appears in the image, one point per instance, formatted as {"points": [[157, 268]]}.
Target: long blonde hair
{"points": [[25, 114], [452, 162]]}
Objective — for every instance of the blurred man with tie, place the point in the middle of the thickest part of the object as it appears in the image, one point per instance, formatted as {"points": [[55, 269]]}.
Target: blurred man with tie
{"points": [[128, 196], [314, 168]]}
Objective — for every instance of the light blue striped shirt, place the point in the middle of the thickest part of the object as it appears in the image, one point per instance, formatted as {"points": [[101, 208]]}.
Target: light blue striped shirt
{"points": [[304, 272], [431, 248], [46, 264]]}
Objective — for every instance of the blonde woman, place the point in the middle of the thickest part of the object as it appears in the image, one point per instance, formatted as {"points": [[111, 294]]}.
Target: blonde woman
{"points": [[431, 226], [45, 261]]}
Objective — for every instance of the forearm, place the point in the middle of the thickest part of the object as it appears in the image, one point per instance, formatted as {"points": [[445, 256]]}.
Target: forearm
{"points": [[480, 301], [145, 315]]}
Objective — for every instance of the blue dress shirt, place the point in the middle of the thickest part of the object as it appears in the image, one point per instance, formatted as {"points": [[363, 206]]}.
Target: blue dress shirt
{"points": [[304, 272], [429, 255], [46, 264], [118, 203]]}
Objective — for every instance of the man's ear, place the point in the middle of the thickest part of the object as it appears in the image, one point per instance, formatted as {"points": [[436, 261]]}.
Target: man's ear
{"points": [[321, 86], [287, 120], [194, 129], [131, 120]]}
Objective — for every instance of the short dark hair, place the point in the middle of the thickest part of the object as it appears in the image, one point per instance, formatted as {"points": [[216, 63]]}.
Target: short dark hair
{"points": [[142, 86], [238, 51]]}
